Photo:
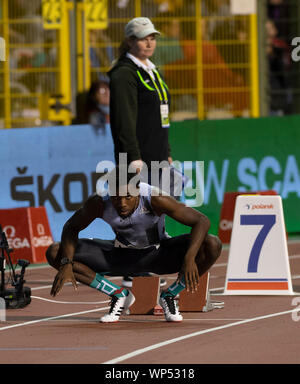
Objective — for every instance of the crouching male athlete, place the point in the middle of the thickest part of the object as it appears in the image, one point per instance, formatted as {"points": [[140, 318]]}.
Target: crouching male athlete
{"points": [[141, 245]]}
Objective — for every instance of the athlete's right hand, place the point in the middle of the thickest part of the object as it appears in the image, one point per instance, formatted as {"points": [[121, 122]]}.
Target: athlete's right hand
{"points": [[64, 275]]}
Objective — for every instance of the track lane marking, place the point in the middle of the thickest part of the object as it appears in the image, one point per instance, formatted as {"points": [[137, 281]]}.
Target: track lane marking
{"points": [[32, 349], [51, 318], [66, 284], [194, 334], [70, 302]]}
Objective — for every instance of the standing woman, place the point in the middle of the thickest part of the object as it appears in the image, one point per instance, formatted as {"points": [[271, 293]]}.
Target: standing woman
{"points": [[139, 102]]}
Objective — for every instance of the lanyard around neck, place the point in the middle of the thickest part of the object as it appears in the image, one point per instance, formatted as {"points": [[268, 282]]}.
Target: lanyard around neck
{"points": [[161, 85], [164, 98]]}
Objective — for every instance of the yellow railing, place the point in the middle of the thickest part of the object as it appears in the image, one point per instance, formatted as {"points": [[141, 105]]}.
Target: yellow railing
{"points": [[254, 67], [36, 73], [210, 74], [208, 56], [6, 85]]}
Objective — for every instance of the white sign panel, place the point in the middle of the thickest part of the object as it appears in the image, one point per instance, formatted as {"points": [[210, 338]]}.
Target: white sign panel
{"points": [[258, 255]]}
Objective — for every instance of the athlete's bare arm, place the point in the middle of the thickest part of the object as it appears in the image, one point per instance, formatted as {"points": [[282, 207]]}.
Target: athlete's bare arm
{"points": [[92, 209], [199, 224]]}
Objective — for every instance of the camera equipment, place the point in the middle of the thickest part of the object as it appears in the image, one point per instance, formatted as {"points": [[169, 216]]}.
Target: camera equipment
{"points": [[18, 296]]}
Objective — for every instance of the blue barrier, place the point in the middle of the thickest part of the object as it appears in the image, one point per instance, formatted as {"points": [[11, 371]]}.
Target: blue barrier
{"points": [[53, 167]]}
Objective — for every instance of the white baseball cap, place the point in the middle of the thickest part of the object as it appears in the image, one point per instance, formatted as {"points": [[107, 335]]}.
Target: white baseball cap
{"points": [[140, 27]]}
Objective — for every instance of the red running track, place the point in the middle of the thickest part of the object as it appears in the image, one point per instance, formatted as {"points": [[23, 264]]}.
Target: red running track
{"points": [[66, 330]]}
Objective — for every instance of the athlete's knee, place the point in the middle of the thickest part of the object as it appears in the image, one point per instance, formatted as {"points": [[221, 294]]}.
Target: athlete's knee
{"points": [[51, 254], [214, 244]]}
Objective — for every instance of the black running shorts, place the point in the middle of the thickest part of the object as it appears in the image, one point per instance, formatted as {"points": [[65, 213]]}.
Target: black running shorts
{"points": [[102, 257]]}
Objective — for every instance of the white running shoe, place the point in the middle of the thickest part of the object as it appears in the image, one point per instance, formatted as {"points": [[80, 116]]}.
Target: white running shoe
{"points": [[170, 308], [117, 307]]}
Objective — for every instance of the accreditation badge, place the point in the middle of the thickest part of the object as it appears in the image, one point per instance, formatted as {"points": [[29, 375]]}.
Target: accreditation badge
{"points": [[164, 114]]}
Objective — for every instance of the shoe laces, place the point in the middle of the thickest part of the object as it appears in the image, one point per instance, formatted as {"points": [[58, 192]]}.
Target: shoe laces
{"points": [[113, 305], [171, 306]]}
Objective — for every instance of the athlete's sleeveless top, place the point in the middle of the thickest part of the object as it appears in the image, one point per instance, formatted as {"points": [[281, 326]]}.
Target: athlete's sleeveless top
{"points": [[142, 228]]}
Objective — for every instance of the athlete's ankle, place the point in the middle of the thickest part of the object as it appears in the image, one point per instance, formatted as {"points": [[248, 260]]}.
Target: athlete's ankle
{"points": [[166, 293], [108, 287], [175, 288], [122, 292]]}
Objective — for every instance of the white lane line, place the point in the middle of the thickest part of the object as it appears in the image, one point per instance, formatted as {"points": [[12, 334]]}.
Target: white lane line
{"points": [[42, 287], [219, 265], [194, 334], [50, 286], [51, 318], [54, 349], [162, 320], [70, 302]]}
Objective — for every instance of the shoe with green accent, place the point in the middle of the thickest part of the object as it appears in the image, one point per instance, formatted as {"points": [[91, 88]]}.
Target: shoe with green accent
{"points": [[117, 306], [170, 308]]}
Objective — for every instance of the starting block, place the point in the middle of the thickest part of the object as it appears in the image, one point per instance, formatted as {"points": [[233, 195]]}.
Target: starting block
{"points": [[200, 300], [146, 291], [196, 301]]}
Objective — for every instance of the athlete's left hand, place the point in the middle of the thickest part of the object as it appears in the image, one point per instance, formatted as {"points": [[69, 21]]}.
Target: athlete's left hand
{"points": [[190, 273]]}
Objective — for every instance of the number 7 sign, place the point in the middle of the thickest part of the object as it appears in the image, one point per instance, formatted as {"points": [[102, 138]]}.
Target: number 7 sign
{"points": [[258, 261]]}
